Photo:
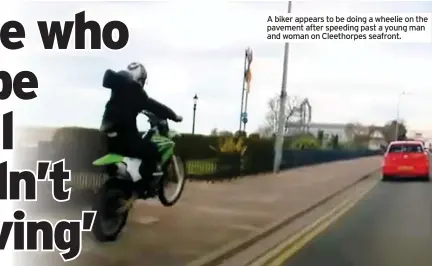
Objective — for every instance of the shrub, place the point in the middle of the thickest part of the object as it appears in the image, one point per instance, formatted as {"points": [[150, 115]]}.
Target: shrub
{"points": [[305, 142], [196, 147], [254, 136], [258, 157], [240, 133], [335, 141], [320, 137], [230, 145]]}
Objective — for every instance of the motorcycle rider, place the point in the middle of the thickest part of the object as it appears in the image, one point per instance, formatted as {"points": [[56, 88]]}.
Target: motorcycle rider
{"points": [[128, 99]]}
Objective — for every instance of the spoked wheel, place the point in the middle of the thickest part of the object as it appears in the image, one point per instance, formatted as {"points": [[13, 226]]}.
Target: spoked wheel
{"points": [[172, 183], [112, 208]]}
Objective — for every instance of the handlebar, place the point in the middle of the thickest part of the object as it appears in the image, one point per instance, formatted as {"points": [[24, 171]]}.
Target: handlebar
{"points": [[157, 125], [150, 115]]}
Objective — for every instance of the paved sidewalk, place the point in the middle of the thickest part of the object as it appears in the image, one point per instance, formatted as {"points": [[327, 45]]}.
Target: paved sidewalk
{"points": [[211, 215]]}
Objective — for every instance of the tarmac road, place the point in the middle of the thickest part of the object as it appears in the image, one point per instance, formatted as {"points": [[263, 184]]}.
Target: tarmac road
{"points": [[391, 226]]}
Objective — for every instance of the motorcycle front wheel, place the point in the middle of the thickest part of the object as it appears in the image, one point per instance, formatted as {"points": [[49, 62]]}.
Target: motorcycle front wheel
{"points": [[174, 178], [109, 222]]}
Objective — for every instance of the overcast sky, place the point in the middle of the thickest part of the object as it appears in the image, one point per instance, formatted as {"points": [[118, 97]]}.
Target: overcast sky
{"points": [[198, 47]]}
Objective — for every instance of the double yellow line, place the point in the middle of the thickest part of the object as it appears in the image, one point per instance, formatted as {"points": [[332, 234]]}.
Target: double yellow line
{"points": [[281, 253]]}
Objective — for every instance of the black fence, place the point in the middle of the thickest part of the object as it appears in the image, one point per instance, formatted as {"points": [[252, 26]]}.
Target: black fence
{"points": [[296, 158], [219, 168], [234, 167]]}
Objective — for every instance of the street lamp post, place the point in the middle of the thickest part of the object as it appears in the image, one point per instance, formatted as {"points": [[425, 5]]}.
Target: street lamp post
{"points": [[398, 115], [195, 100], [281, 119]]}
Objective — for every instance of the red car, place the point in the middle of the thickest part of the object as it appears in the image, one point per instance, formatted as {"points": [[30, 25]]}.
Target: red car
{"points": [[407, 159]]}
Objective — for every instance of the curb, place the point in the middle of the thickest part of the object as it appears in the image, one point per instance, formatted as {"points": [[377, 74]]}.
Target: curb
{"points": [[218, 256]]}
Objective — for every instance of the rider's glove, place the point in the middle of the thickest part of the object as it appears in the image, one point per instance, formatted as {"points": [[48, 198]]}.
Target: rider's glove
{"points": [[178, 119]]}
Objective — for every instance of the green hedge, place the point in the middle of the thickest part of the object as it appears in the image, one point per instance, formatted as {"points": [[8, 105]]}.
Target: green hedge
{"points": [[81, 146]]}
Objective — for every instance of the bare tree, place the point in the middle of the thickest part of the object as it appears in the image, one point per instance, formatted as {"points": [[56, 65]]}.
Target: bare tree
{"points": [[223, 133], [292, 104], [265, 131], [214, 132], [354, 129], [389, 130]]}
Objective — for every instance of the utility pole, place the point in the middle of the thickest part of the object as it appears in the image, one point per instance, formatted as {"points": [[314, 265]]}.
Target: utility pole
{"points": [[283, 97], [398, 115]]}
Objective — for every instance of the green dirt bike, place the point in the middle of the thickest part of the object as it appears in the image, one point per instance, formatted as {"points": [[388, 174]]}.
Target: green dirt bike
{"points": [[116, 196]]}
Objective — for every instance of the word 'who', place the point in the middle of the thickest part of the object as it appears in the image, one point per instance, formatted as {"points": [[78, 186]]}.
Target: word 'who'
{"points": [[55, 33], [57, 174], [12, 34]]}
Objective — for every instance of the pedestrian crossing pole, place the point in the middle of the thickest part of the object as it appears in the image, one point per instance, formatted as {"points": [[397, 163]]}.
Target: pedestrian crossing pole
{"points": [[245, 88], [248, 78], [282, 117]]}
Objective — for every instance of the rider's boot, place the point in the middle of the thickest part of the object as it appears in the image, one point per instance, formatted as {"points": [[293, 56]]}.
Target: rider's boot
{"points": [[157, 174], [158, 171], [150, 177]]}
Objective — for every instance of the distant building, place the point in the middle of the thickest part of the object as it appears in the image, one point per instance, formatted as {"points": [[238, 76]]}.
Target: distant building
{"points": [[421, 136], [329, 129], [377, 140]]}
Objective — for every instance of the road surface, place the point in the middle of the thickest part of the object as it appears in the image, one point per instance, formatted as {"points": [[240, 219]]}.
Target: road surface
{"points": [[207, 218], [391, 226]]}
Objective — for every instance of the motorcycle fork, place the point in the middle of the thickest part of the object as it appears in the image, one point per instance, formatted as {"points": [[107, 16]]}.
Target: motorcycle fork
{"points": [[128, 204], [176, 166]]}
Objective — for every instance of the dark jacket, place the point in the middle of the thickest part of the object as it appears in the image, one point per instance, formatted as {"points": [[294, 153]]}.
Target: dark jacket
{"points": [[127, 100]]}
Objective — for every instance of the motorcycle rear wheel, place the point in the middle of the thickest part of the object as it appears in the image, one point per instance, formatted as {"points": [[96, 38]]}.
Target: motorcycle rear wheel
{"points": [[108, 223]]}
